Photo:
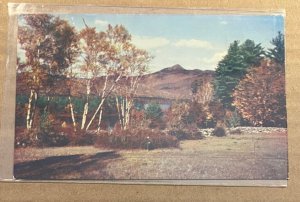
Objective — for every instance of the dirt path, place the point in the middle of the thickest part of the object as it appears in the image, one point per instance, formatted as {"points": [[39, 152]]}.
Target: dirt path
{"points": [[246, 156]]}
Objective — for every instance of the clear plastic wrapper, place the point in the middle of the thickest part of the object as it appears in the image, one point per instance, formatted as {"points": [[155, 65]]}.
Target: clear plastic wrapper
{"points": [[144, 96]]}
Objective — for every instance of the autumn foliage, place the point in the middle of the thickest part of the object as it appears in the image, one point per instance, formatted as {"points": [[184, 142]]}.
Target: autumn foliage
{"points": [[78, 81], [260, 96]]}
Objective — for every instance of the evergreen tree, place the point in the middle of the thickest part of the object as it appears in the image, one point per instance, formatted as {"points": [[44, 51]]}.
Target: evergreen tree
{"points": [[233, 67], [153, 111], [277, 53], [252, 53]]}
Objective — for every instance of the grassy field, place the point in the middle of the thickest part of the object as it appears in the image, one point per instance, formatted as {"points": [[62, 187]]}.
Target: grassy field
{"points": [[244, 156]]}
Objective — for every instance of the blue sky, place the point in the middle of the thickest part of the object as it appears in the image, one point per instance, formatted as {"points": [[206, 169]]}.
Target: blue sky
{"points": [[193, 41]]}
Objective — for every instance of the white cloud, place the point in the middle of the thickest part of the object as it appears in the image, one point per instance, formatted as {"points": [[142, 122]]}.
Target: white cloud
{"points": [[147, 42], [215, 59], [101, 22], [193, 43], [223, 22]]}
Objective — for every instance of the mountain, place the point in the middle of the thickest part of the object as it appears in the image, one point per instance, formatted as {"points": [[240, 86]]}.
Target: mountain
{"points": [[171, 82]]}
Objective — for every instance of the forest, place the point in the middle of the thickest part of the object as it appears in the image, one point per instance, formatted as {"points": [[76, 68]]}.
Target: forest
{"points": [[79, 87]]}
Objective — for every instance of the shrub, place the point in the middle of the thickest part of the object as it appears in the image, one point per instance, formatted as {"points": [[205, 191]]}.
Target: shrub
{"points": [[153, 111], [39, 138], [179, 134], [187, 134], [197, 135], [136, 139], [185, 115], [217, 112], [232, 119], [196, 115], [159, 124], [52, 139], [219, 132], [77, 137], [24, 138], [137, 118], [175, 115], [82, 139], [236, 131], [46, 122]]}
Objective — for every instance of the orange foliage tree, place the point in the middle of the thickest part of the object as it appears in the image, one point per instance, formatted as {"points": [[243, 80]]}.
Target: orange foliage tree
{"points": [[260, 96], [50, 46]]}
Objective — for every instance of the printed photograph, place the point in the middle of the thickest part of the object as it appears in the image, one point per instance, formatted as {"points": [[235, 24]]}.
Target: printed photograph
{"points": [[150, 97]]}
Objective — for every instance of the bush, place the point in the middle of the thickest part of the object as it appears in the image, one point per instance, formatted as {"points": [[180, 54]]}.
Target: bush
{"points": [[216, 114], [153, 111], [82, 139], [47, 121], [136, 139], [34, 137], [197, 135], [78, 137], [219, 132], [232, 119], [52, 139], [158, 124], [236, 131], [192, 134], [175, 115], [24, 138], [179, 134]]}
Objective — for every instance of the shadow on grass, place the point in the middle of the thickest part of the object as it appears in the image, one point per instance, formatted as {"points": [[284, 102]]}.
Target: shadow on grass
{"points": [[66, 167]]}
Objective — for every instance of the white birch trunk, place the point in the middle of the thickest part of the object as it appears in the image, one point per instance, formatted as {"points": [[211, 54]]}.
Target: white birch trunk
{"points": [[72, 114], [128, 113], [84, 115], [46, 107], [28, 117], [97, 110], [123, 113], [105, 94], [129, 100], [119, 111], [100, 119], [33, 109], [86, 105]]}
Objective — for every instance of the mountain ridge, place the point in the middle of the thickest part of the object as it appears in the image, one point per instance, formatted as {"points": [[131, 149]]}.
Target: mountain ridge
{"points": [[171, 83]]}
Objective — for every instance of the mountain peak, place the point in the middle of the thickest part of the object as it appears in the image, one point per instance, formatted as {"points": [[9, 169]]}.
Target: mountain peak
{"points": [[175, 68]]}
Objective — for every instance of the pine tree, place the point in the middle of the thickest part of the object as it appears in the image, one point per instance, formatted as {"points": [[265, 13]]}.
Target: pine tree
{"points": [[252, 53], [277, 53], [232, 68]]}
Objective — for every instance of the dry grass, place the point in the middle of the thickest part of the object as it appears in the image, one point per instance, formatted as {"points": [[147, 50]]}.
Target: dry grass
{"points": [[246, 156]]}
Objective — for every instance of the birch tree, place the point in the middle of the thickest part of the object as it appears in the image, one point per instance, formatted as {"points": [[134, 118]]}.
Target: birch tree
{"points": [[50, 46], [202, 91], [113, 64], [70, 84], [93, 44], [126, 92], [109, 57]]}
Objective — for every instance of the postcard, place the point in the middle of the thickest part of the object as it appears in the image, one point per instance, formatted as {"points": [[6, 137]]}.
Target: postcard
{"points": [[145, 95]]}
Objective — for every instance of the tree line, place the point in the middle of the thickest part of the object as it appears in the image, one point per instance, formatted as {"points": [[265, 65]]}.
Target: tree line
{"points": [[247, 89], [54, 49], [250, 82]]}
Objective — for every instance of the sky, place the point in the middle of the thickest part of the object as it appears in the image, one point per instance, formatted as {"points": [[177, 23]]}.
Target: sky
{"points": [[195, 41]]}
